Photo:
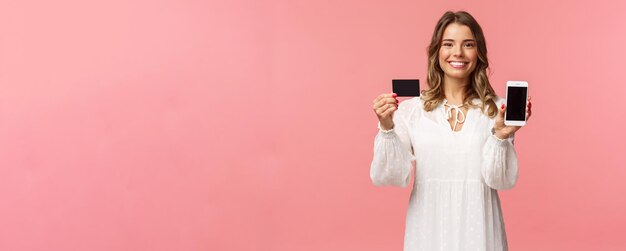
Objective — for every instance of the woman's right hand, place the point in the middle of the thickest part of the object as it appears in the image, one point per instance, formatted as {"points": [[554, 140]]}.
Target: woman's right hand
{"points": [[384, 107]]}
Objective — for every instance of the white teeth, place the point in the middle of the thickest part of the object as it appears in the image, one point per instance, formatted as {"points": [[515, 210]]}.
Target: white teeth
{"points": [[457, 64]]}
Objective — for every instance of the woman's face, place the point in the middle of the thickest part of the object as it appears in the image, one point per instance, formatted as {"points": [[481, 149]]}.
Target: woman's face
{"points": [[458, 53]]}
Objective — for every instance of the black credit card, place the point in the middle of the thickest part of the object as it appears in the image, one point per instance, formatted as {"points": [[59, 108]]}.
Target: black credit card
{"points": [[406, 87]]}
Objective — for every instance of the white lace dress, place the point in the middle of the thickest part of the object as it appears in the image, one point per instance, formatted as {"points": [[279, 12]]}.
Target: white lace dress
{"points": [[454, 204]]}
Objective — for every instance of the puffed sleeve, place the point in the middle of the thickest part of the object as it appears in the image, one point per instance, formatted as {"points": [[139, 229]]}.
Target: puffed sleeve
{"points": [[393, 156], [499, 168]]}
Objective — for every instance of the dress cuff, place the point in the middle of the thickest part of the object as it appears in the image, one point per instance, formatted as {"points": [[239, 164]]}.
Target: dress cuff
{"points": [[386, 133], [493, 134], [498, 139]]}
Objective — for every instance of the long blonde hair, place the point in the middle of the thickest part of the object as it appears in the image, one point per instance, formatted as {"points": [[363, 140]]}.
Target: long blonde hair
{"points": [[479, 86]]}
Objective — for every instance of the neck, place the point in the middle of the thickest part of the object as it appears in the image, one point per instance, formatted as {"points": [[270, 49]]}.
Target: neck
{"points": [[454, 90]]}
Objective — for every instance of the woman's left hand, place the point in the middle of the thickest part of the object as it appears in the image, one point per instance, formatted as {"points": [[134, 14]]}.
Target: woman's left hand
{"points": [[503, 131]]}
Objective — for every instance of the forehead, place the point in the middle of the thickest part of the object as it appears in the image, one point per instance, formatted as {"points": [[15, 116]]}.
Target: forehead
{"points": [[456, 31]]}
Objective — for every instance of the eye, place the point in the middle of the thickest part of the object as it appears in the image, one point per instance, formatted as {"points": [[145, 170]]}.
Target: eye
{"points": [[446, 44], [469, 45]]}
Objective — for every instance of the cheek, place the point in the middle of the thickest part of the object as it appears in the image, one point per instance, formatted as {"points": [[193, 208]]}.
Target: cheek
{"points": [[473, 58], [473, 55], [443, 54]]}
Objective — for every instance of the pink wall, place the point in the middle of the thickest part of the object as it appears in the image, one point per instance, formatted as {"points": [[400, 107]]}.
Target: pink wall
{"points": [[246, 125]]}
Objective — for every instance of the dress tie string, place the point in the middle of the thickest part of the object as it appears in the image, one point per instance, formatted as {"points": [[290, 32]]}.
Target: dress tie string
{"points": [[460, 116]]}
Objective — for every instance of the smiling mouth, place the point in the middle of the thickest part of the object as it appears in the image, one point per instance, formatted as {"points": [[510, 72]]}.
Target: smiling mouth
{"points": [[457, 64]]}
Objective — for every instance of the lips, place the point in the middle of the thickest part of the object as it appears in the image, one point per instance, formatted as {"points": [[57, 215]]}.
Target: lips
{"points": [[457, 64]]}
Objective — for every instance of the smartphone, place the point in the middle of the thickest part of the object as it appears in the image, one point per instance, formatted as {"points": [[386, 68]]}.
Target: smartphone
{"points": [[516, 96], [406, 87]]}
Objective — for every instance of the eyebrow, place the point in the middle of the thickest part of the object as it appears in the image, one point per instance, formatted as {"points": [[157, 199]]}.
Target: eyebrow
{"points": [[452, 40]]}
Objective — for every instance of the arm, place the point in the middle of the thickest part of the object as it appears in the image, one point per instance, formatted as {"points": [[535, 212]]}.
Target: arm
{"points": [[499, 168], [391, 165]]}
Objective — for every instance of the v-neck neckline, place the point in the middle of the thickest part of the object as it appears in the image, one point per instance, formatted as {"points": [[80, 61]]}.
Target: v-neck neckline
{"points": [[446, 123], [465, 123]]}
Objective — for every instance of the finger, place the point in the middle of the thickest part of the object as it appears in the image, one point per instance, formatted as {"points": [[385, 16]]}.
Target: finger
{"points": [[383, 96], [390, 95], [389, 111], [391, 101], [393, 97], [377, 99], [380, 103], [381, 110], [501, 111], [385, 101], [376, 105]]}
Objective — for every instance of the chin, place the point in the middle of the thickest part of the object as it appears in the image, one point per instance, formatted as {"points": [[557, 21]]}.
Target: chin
{"points": [[458, 76]]}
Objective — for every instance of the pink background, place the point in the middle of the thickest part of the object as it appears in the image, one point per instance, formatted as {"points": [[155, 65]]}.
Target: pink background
{"points": [[247, 125]]}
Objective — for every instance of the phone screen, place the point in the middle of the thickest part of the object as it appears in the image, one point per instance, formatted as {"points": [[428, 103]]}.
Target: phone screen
{"points": [[516, 103]]}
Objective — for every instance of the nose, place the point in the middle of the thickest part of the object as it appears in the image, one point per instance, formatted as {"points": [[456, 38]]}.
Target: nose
{"points": [[458, 51]]}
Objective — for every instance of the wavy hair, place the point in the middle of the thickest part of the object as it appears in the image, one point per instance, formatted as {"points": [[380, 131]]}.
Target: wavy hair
{"points": [[479, 86]]}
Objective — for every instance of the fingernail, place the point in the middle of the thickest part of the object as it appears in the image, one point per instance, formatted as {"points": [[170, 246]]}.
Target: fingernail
{"points": [[395, 95], [502, 107]]}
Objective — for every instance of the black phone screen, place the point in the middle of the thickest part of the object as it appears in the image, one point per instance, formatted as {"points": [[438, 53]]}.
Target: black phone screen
{"points": [[516, 103]]}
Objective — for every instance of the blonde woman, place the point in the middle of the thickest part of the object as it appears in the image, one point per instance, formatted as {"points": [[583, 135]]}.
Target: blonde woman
{"points": [[456, 137]]}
